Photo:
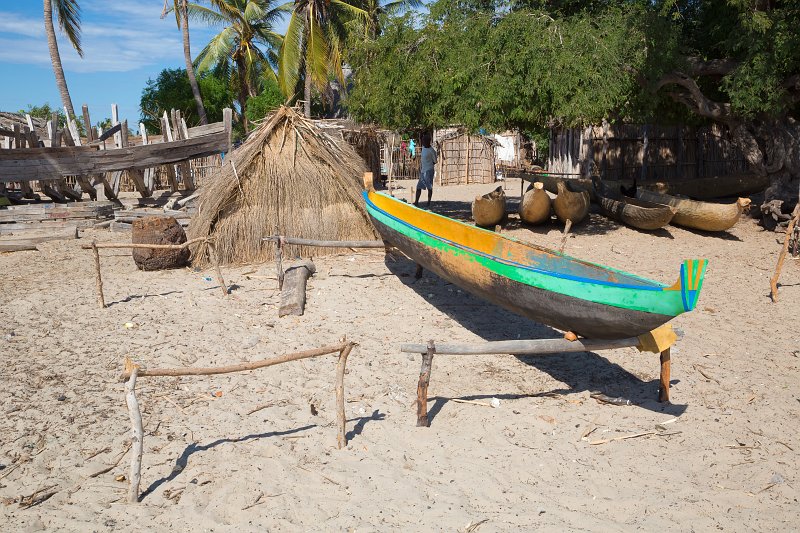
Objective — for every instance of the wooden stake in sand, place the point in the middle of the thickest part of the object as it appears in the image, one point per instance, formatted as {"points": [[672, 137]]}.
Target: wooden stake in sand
{"points": [[94, 247], [422, 386], [98, 279], [774, 281], [132, 372], [663, 385], [341, 437], [136, 438]]}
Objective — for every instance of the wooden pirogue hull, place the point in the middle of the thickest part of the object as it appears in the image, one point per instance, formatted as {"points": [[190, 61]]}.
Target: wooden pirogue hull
{"points": [[704, 216], [700, 188], [636, 213], [489, 209], [534, 282]]}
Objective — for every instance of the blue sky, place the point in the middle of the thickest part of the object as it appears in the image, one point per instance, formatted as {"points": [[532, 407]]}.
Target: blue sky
{"points": [[124, 43]]}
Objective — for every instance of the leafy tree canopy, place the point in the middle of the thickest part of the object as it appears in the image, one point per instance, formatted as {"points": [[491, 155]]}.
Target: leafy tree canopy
{"points": [[532, 63], [171, 90], [270, 99]]}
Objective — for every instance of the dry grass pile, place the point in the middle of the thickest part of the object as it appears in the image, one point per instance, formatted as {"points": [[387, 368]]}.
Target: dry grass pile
{"points": [[289, 178]]}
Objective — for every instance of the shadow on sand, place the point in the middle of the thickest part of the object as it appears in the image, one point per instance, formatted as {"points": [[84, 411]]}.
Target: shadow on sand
{"points": [[585, 371]]}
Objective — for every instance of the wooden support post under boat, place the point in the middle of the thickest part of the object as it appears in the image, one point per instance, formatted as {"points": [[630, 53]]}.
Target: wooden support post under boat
{"points": [[418, 273], [663, 388], [422, 386], [279, 261], [659, 339]]}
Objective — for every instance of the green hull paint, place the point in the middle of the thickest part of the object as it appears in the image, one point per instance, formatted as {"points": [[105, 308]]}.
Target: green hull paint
{"points": [[650, 296]]}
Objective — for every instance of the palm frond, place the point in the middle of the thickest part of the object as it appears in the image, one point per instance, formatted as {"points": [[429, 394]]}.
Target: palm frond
{"points": [[291, 54], [217, 51], [69, 20], [206, 15]]}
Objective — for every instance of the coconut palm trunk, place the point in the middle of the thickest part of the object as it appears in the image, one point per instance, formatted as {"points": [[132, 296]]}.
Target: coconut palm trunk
{"points": [[244, 92], [187, 55], [55, 58]]}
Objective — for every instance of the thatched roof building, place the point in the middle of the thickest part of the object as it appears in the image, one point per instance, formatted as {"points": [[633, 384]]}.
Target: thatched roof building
{"points": [[288, 178]]}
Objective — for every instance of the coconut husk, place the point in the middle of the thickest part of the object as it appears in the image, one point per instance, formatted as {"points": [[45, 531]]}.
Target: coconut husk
{"points": [[288, 178]]}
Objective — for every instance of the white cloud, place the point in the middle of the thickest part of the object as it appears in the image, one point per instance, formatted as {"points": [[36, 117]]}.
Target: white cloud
{"points": [[19, 25], [117, 36]]}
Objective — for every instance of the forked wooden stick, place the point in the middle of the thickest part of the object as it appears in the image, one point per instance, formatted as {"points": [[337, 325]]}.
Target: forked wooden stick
{"points": [[341, 438]]}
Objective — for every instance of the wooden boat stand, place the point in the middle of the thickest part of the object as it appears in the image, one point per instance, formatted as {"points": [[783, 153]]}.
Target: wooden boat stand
{"points": [[658, 341]]}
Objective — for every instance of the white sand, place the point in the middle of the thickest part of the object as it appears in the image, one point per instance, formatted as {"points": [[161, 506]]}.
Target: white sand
{"points": [[730, 461]]}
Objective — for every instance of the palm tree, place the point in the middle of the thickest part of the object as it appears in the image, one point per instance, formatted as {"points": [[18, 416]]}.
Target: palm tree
{"points": [[181, 9], [312, 46], [375, 9], [69, 20], [235, 50]]}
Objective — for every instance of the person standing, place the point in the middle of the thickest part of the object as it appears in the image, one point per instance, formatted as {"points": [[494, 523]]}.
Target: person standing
{"points": [[428, 158]]}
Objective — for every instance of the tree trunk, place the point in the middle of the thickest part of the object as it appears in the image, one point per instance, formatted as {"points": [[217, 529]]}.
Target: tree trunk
{"points": [[243, 93], [187, 55], [306, 73], [55, 58]]}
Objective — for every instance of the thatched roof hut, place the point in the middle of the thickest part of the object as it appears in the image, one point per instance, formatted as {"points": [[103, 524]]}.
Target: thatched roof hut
{"points": [[464, 158], [288, 178]]}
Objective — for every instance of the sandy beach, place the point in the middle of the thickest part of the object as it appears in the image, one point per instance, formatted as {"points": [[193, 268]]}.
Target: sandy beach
{"points": [[722, 455]]}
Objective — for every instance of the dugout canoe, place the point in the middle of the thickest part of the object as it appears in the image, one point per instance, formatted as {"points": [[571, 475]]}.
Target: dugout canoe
{"points": [[571, 204], [490, 208], [634, 212], [724, 186], [563, 292], [705, 216], [535, 205]]}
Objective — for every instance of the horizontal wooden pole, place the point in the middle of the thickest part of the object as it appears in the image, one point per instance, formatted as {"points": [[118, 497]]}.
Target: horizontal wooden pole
{"points": [[326, 244], [537, 346], [234, 368], [151, 246]]}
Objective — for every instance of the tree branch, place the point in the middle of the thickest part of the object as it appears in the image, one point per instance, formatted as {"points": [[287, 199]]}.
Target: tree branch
{"points": [[695, 100], [712, 67]]}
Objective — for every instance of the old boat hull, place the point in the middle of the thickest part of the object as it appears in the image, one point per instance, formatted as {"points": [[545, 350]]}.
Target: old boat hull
{"points": [[489, 209], [571, 204], [639, 214], [540, 284], [704, 216], [700, 188]]}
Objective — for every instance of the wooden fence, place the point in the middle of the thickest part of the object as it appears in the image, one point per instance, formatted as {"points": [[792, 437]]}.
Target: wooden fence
{"points": [[646, 152]]}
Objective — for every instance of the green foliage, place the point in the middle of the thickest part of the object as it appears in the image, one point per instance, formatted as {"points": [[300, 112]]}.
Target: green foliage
{"points": [[520, 70], [270, 99], [171, 90], [45, 112], [529, 64]]}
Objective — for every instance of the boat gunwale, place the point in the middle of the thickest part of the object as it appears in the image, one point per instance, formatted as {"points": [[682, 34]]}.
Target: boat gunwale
{"points": [[650, 285]]}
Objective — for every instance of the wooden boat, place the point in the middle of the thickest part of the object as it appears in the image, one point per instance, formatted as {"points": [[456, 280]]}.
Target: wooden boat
{"points": [[537, 283], [704, 216], [700, 188], [636, 213], [571, 204], [489, 209], [535, 205]]}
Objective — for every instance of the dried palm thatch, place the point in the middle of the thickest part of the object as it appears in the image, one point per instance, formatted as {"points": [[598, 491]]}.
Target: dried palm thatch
{"points": [[288, 178]]}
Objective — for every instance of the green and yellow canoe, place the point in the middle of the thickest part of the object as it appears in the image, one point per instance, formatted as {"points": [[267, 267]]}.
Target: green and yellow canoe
{"points": [[541, 284]]}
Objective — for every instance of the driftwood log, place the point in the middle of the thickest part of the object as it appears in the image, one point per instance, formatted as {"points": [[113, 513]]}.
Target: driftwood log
{"points": [[293, 293]]}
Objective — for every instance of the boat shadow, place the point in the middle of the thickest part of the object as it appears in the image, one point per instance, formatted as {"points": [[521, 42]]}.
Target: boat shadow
{"points": [[579, 372]]}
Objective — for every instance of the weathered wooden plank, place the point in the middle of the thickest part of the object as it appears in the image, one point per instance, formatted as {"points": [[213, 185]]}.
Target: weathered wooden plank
{"points": [[24, 165], [26, 242], [208, 129], [87, 123]]}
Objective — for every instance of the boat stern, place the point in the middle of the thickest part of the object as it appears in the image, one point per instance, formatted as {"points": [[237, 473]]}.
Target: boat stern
{"points": [[690, 281]]}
